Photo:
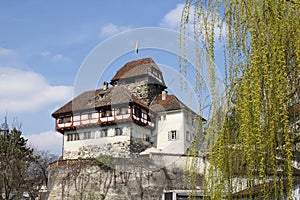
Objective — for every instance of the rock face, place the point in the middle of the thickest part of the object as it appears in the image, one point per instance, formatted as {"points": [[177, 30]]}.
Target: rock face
{"points": [[144, 90], [113, 178], [121, 149], [117, 149]]}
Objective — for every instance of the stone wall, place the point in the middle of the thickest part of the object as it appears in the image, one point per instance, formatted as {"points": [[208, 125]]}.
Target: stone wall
{"points": [[122, 149], [139, 178], [117, 149], [145, 91]]}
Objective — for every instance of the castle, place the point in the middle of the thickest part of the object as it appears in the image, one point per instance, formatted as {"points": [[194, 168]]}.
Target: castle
{"points": [[130, 116]]}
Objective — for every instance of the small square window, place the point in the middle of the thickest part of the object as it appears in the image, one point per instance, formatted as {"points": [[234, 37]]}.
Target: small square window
{"points": [[165, 117], [173, 135]]}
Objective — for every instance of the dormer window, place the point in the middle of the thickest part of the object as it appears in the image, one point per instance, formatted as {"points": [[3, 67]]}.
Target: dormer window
{"points": [[89, 102], [102, 96]]}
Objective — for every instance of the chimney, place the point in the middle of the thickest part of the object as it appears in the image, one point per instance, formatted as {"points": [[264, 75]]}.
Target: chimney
{"points": [[164, 95], [105, 85]]}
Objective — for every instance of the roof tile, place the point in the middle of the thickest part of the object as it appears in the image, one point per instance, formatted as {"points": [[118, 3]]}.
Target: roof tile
{"points": [[98, 98], [135, 68]]}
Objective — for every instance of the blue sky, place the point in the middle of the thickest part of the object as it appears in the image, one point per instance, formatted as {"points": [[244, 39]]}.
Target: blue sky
{"points": [[44, 43]]}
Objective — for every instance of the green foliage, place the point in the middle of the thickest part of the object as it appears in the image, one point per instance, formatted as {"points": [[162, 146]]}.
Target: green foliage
{"points": [[106, 162], [255, 144], [15, 158]]}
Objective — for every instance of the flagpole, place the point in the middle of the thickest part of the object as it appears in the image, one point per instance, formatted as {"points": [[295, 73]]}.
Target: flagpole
{"points": [[136, 49]]}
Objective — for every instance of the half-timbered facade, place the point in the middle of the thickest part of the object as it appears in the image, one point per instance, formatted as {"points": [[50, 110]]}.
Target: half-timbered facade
{"points": [[123, 119]]}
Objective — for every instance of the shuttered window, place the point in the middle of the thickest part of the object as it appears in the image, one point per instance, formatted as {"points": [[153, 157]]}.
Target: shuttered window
{"points": [[173, 135]]}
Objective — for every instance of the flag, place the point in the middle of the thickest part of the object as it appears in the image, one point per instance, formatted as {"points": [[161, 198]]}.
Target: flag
{"points": [[136, 47]]}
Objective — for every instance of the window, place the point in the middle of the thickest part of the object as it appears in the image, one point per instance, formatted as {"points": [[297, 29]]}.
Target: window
{"points": [[72, 137], [60, 120], [76, 136], [173, 135], [67, 119], [89, 102], [69, 137], [144, 114], [81, 136], [107, 113], [188, 136], [103, 133], [165, 117], [159, 118], [87, 135], [137, 112], [119, 131], [147, 138], [102, 96], [124, 111]]}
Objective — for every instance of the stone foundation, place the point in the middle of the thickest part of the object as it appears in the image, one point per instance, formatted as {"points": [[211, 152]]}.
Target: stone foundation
{"points": [[129, 179], [118, 149]]}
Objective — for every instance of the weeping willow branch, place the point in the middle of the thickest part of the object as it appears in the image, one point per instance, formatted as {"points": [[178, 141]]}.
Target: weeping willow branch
{"points": [[254, 142]]}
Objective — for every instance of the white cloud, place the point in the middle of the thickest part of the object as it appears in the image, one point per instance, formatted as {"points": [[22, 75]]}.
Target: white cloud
{"points": [[23, 91], [49, 141], [111, 29], [6, 52], [60, 57], [10, 57], [172, 18], [55, 57], [45, 53]]}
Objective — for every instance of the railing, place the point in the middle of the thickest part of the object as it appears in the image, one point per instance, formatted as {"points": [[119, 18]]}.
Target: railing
{"points": [[104, 120], [94, 121]]}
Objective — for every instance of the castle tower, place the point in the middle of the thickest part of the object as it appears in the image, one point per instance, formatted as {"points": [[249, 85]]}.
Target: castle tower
{"points": [[142, 77]]}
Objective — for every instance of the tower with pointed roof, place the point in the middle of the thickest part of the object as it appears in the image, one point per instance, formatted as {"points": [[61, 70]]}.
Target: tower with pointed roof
{"points": [[142, 77]]}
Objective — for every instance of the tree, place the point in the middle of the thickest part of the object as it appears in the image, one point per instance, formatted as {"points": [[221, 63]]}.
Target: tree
{"points": [[37, 171], [15, 157], [255, 149]]}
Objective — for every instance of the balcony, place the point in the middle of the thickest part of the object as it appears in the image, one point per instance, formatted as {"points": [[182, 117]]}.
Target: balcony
{"points": [[101, 118]]}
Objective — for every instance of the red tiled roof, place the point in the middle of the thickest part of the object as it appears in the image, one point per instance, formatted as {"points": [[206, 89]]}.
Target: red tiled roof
{"points": [[171, 103], [98, 98], [135, 68]]}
